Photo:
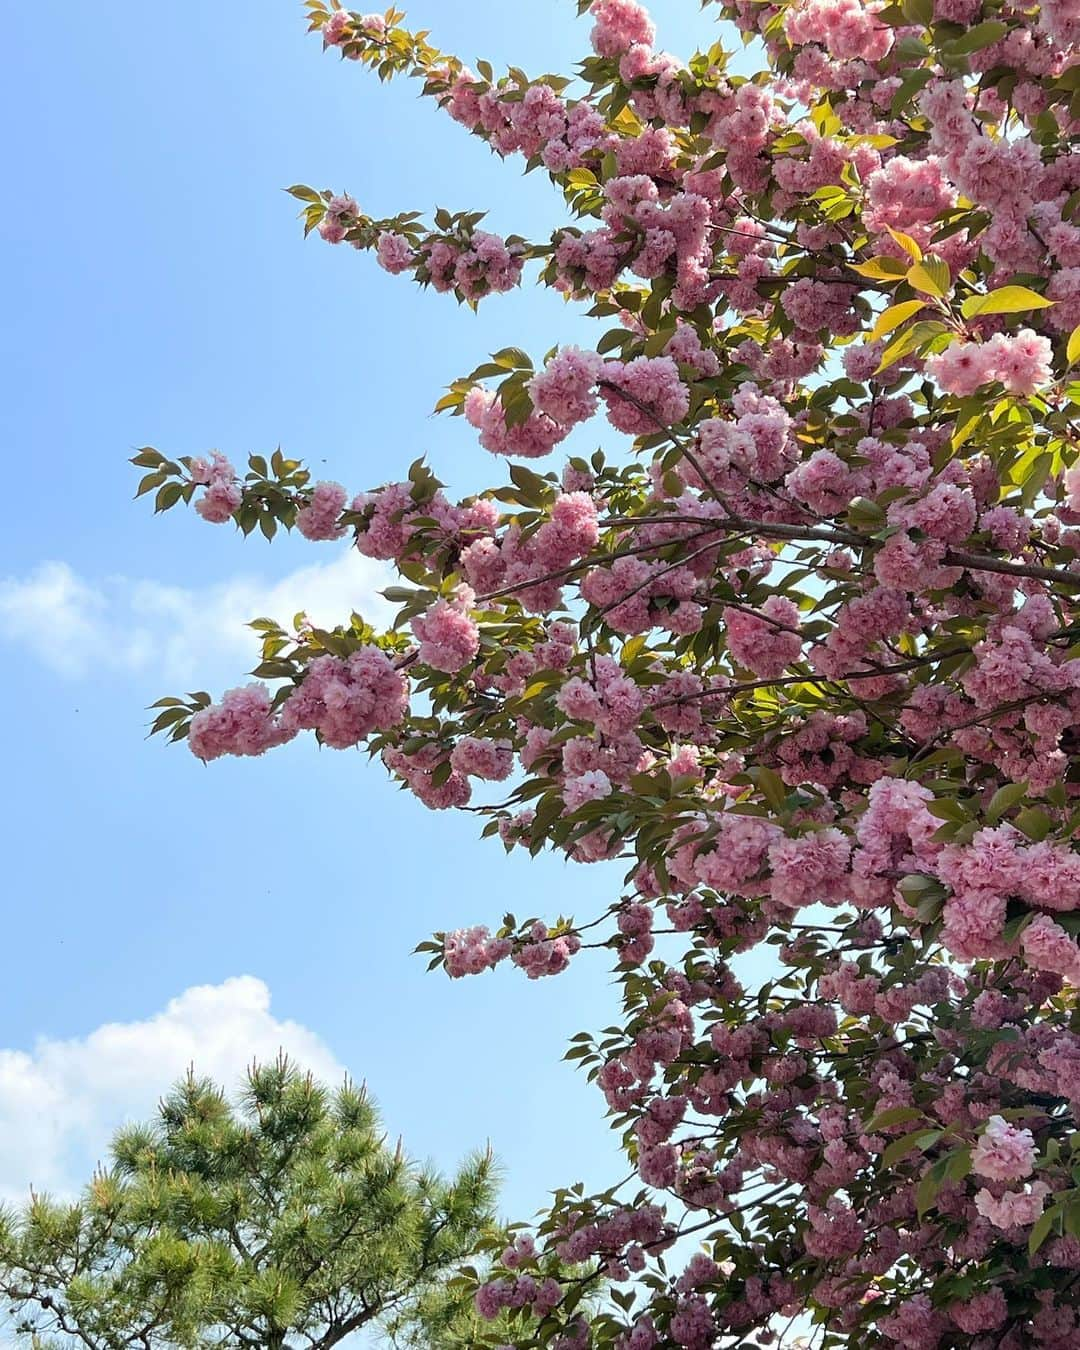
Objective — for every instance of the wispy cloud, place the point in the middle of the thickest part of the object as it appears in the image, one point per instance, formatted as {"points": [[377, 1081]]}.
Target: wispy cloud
{"points": [[76, 626], [61, 1103]]}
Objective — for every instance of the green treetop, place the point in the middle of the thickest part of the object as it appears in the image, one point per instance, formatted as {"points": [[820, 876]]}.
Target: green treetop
{"points": [[286, 1221]]}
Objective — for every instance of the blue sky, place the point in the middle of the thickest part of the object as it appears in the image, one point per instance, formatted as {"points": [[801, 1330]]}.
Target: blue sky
{"points": [[158, 291]]}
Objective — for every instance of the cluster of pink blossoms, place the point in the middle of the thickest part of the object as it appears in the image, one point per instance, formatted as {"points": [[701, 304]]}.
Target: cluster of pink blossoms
{"points": [[449, 637], [620, 25], [565, 390], [482, 266], [1021, 361], [847, 29], [1003, 1152], [471, 950], [223, 493], [343, 700], [241, 724], [642, 396], [765, 642], [318, 519], [472, 265]]}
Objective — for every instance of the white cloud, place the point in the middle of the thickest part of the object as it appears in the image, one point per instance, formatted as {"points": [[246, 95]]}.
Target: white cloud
{"points": [[173, 632], [61, 1103]]}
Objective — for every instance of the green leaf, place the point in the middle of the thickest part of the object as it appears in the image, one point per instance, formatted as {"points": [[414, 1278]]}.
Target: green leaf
{"points": [[930, 907], [771, 786], [147, 458], [919, 890], [917, 1139], [517, 407], [614, 337], [1072, 349], [913, 339], [919, 12], [1016, 926], [167, 718], [1036, 824], [1072, 1217], [948, 808], [632, 649], [1004, 798], [168, 496], [931, 276], [1040, 1229], [1034, 477], [864, 512], [512, 358], [1005, 300], [910, 85], [979, 36], [880, 269], [926, 1192], [150, 481], [906, 242], [452, 400], [533, 488], [969, 417], [895, 1115], [894, 316]]}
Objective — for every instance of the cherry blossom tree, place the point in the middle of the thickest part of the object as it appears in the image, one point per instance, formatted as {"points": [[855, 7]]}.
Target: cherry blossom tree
{"points": [[798, 647]]}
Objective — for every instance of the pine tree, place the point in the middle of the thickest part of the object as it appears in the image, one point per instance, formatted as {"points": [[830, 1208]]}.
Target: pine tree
{"points": [[282, 1222]]}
